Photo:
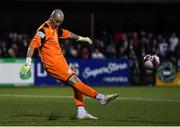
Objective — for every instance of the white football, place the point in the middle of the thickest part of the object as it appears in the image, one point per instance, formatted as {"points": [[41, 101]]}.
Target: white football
{"points": [[151, 61]]}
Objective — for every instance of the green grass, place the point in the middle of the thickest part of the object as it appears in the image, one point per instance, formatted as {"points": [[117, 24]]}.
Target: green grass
{"points": [[54, 106]]}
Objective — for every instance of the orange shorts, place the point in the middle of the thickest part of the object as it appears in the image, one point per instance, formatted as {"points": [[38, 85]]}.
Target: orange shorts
{"points": [[60, 71]]}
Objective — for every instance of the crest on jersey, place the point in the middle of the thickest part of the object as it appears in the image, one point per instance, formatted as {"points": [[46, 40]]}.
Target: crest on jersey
{"points": [[69, 71]]}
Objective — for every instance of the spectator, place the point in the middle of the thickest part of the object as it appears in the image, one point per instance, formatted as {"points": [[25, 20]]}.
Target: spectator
{"points": [[97, 54], [177, 55], [85, 54], [73, 52], [163, 46], [173, 41]]}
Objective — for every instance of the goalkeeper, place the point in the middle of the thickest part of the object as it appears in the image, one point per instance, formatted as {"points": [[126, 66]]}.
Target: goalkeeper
{"points": [[46, 41]]}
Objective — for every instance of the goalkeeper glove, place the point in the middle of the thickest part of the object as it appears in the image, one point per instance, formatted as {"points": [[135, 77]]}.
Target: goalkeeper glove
{"points": [[86, 39], [24, 69]]}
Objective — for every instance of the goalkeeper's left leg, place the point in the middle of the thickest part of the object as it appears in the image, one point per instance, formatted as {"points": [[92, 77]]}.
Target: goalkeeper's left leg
{"points": [[81, 112]]}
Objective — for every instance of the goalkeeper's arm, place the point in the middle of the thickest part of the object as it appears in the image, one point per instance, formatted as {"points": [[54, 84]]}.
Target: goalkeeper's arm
{"points": [[29, 55], [80, 38], [27, 66]]}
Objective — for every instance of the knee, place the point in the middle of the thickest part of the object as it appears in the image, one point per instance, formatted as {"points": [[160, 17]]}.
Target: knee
{"points": [[73, 80]]}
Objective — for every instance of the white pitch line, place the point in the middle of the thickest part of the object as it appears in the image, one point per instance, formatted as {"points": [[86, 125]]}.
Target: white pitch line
{"points": [[149, 99], [70, 97], [35, 96]]}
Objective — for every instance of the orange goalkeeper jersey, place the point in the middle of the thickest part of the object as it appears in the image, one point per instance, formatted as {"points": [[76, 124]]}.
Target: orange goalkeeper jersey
{"points": [[46, 40]]}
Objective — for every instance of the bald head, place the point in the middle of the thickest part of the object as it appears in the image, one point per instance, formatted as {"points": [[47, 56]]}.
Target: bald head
{"points": [[57, 13], [56, 17]]}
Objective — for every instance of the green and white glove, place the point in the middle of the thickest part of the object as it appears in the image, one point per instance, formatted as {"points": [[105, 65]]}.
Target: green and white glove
{"points": [[85, 39], [24, 69]]}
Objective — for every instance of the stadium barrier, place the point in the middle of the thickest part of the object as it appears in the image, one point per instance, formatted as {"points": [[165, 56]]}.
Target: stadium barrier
{"points": [[93, 72], [115, 72]]}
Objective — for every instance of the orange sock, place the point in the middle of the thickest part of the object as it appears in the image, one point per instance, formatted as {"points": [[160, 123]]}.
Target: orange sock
{"points": [[78, 98], [86, 90]]}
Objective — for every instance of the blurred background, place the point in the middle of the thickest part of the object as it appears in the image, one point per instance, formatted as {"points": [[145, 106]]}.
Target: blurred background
{"points": [[123, 32]]}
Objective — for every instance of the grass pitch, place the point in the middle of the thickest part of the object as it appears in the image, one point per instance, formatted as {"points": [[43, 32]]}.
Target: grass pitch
{"points": [[55, 106]]}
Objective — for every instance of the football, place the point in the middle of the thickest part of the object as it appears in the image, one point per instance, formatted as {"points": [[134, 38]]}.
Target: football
{"points": [[151, 61]]}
